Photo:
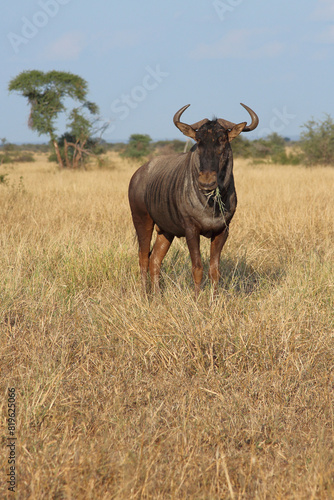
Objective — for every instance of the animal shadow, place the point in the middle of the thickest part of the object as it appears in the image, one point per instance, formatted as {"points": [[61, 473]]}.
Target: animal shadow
{"points": [[237, 275]]}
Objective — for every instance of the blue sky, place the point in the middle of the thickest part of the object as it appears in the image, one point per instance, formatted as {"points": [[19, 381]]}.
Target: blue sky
{"points": [[145, 60]]}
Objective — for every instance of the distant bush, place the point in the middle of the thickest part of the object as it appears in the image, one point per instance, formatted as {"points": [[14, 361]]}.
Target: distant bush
{"points": [[273, 145], [52, 157], [3, 179], [13, 152], [169, 147], [242, 147], [271, 148], [25, 157], [16, 157], [138, 146], [36, 148], [5, 158], [317, 142], [117, 147], [284, 158]]}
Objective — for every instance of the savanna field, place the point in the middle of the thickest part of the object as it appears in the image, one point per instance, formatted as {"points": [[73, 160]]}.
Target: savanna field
{"points": [[121, 396]]}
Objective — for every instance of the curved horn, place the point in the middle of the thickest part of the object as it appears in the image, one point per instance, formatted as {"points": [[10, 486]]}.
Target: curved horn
{"points": [[178, 114], [188, 130], [248, 128], [254, 117]]}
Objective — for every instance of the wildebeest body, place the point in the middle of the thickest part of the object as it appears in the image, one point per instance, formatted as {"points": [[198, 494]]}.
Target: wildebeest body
{"points": [[188, 194], [173, 198]]}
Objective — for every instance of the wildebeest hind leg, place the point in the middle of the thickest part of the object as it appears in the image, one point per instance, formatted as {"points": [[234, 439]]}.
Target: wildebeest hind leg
{"points": [[161, 246], [217, 243]]}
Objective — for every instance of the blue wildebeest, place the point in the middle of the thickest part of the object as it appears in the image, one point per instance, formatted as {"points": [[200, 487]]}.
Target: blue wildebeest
{"points": [[188, 194]]}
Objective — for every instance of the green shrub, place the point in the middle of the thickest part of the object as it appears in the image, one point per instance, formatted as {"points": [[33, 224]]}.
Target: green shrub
{"points": [[5, 158], [3, 179], [242, 147], [169, 147], [25, 157], [317, 142], [138, 146], [285, 158]]}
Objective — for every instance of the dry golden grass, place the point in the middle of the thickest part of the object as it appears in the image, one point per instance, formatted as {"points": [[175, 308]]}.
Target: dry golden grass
{"points": [[126, 398]]}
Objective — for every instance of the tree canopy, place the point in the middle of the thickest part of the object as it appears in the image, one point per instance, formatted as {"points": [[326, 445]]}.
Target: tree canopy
{"points": [[46, 94]]}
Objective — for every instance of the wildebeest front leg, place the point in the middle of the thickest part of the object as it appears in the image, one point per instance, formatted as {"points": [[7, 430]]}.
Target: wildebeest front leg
{"points": [[217, 243], [193, 242], [144, 228], [161, 246]]}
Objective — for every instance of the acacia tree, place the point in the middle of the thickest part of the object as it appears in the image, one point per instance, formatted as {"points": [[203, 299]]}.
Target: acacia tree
{"points": [[79, 136], [46, 93]]}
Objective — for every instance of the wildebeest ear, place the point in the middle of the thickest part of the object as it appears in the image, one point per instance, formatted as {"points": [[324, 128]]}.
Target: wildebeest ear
{"points": [[236, 130], [187, 130]]}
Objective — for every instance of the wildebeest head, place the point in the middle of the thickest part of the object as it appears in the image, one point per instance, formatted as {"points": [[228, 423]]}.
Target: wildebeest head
{"points": [[213, 145]]}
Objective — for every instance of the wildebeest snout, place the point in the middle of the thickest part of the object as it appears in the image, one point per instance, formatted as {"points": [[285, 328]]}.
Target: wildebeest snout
{"points": [[207, 181]]}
